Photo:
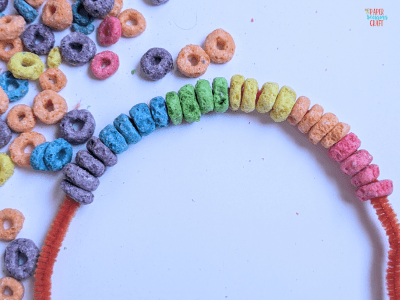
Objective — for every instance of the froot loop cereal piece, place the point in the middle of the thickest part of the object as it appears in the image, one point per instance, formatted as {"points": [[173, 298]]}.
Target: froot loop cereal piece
{"points": [[38, 39], [190, 107], [14, 46], [53, 79], [49, 107], [138, 26], [250, 90], [57, 154], [11, 27], [141, 116], [37, 157], [299, 110], [16, 219], [109, 31], [335, 135], [35, 3], [365, 176], [311, 118], [156, 63], [3, 5], [81, 178], [76, 193], [21, 118], [16, 288], [159, 112], [86, 161], [98, 8], [377, 189], [158, 2], [322, 128], [356, 162], [77, 49], [113, 139], [344, 148], [79, 135], [269, 92], [204, 96], [96, 147], [220, 91], [15, 88], [5, 134], [116, 10], [80, 15], [12, 254], [192, 61], [6, 168], [220, 46], [86, 30], [109, 60], [25, 10], [124, 126], [283, 104], [4, 102], [57, 14], [174, 108], [26, 65], [17, 147], [54, 58], [235, 93]]}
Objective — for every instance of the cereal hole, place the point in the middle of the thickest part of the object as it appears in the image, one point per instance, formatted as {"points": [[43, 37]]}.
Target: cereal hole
{"points": [[53, 10], [8, 47], [52, 79], [29, 148], [81, 10], [132, 22], [22, 258], [21, 117], [7, 224], [38, 38], [157, 60], [13, 85], [61, 154], [77, 125], [27, 63], [221, 44], [76, 47], [193, 59], [7, 291], [105, 62], [49, 106]]}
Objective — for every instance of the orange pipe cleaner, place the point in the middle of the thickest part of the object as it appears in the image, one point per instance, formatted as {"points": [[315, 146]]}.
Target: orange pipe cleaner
{"points": [[389, 221], [51, 247]]}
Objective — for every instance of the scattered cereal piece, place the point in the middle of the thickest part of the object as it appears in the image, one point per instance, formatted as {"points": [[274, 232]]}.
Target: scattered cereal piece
{"points": [[109, 31], [250, 90], [299, 110], [156, 63], [37, 157], [21, 118], [192, 61], [38, 39], [283, 104], [269, 92], [311, 118], [85, 160], [159, 112], [16, 287], [98, 8], [57, 14], [77, 49], [235, 94], [11, 27], [116, 8], [220, 46], [35, 3], [17, 147], [15, 88], [15, 46], [6, 168], [366, 176], [80, 15], [54, 58], [204, 96], [25, 10], [86, 30], [4, 102], [101, 151], [16, 219], [53, 79], [107, 58], [174, 108], [3, 5], [190, 107], [138, 26], [356, 162], [26, 65], [158, 2], [220, 91], [12, 254], [381, 188], [70, 134], [80, 177], [49, 99], [5, 134], [140, 113], [344, 148]]}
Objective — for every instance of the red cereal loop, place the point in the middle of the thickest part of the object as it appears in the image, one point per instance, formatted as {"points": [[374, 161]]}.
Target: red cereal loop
{"points": [[104, 64], [16, 288], [49, 107], [15, 46], [17, 147], [138, 23], [374, 190], [192, 61], [53, 79], [344, 148], [11, 27], [16, 219], [21, 118], [220, 46], [109, 31]]}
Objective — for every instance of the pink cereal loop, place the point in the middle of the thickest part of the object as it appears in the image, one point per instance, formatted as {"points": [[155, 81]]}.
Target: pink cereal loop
{"points": [[104, 64]]}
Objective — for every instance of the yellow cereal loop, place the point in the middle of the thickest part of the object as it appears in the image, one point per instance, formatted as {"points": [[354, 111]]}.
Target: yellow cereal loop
{"points": [[249, 95], [25, 65], [235, 94], [6, 168], [54, 58], [283, 104], [266, 101]]}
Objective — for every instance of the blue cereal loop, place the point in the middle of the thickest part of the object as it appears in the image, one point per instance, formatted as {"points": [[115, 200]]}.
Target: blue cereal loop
{"points": [[26, 11], [140, 113], [83, 29], [159, 112], [37, 157], [113, 139], [58, 154], [125, 127], [20, 86], [80, 15]]}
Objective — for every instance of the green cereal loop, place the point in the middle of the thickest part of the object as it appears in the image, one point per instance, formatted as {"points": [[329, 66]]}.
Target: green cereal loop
{"points": [[174, 108], [190, 107], [204, 96], [221, 98]]}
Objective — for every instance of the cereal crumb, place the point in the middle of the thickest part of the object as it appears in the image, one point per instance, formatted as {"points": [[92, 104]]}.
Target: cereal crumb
{"points": [[252, 20], [133, 71]]}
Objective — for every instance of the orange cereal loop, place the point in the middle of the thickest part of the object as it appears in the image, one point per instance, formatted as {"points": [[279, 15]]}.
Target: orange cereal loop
{"points": [[16, 220], [322, 128], [4, 102], [11, 27], [9, 48], [57, 14], [220, 46], [18, 146], [21, 118], [53, 79], [35, 3], [116, 9], [49, 107], [192, 61], [335, 135], [311, 118], [299, 109], [137, 26], [14, 287]]}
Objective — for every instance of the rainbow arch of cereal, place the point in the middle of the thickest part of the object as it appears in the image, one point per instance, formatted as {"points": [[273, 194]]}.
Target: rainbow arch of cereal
{"points": [[190, 102]]}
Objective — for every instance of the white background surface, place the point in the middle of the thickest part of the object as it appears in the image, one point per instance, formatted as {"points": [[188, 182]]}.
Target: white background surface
{"points": [[235, 206]]}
